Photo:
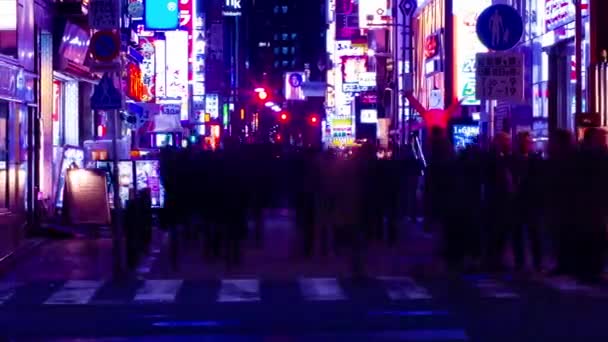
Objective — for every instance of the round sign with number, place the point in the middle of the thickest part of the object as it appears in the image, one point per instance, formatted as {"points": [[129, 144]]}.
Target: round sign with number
{"points": [[105, 45]]}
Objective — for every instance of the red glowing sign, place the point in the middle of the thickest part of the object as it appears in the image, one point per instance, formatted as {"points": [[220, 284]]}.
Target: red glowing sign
{"points": [[136, 89]]}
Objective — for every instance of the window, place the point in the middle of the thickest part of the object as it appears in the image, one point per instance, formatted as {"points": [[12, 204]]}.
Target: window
{"points": [[285, 50], [284, 8], [276, 36], [276, 64], [293, 50], [276, 9], [293, 63], [276, 50], [8, 27], [285, 36], [285, 64], [294, 36], [4, 185]]}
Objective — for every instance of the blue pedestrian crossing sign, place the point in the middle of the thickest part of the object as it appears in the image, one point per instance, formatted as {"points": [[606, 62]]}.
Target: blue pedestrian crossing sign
{"points": [[105, 95], [500, 27]]}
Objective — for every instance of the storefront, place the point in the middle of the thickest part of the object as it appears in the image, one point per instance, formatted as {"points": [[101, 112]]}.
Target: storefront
{"points": [[16, 98], [550, 45]]}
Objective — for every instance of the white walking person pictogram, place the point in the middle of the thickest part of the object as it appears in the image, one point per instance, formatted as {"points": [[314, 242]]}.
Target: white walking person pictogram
{"points": [[497, 27]]}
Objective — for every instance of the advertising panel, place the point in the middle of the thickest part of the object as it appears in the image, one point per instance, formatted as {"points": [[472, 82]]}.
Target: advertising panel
{"points": [[347, 19], [198, 58], [374, 14], [177, 69], [467, 46], [71, 157], [293, 86], [212, 105], [161, 15], [8, 15], [148, 176]]}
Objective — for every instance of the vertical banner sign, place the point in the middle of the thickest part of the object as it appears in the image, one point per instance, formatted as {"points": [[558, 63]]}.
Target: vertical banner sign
{"points": [[103, 14], [148, 66], [467, 46], [160, 81], [198, 58], [177, 69]]}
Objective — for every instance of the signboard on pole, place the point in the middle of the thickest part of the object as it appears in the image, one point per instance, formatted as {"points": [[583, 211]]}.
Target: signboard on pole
{"points": [[500, 76], [105, 95], [500, 27], [104, 15], [105, 45]]}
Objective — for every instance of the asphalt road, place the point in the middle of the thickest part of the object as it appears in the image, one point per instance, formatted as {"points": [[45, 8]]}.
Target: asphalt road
{"points": [[475, 308]]}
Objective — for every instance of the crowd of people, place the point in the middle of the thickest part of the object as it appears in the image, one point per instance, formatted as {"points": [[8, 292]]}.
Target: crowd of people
{"points": [[553, 202], [482, 198]]}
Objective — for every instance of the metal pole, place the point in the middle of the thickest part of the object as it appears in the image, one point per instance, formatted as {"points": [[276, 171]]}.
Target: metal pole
{"points": [[491, 121], [579, 56], [116, 219]]}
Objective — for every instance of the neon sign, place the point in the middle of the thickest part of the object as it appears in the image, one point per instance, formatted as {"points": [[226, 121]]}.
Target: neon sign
{"points": [[135, 86]]}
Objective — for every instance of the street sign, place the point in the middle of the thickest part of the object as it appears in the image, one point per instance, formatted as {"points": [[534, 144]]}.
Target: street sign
{"points": [[103, 14], [500, 76], [105, 45], [407, 7], [500, 27], [105, 95]]}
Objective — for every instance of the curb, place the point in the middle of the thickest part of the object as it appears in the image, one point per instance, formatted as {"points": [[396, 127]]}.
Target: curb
{"points": [[9, 260]]}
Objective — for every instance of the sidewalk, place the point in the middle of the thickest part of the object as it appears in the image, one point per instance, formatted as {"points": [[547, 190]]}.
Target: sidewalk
{"points": [[13, 242]]}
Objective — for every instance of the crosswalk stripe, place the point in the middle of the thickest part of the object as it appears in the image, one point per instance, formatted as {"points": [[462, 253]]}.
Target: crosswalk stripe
{"points": [[75, 292], [321, 289], [402, 288], [239, 290], [491, 288], [7, 291], [158, 291]]}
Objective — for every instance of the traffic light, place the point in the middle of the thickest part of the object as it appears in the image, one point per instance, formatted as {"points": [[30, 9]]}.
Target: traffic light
{"points": [[261, 93], [313, 119], [284, 117]]}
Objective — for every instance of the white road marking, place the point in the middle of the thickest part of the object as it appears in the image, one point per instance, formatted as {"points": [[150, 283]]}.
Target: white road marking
{"points": [[239, 290], [321, 289], [8, 291], [158, 291], [402, 288], [75, 292], [491, 288]]}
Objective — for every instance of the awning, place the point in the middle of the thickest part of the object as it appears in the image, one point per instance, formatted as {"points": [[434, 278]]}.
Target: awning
{"points": [[166, 124]]}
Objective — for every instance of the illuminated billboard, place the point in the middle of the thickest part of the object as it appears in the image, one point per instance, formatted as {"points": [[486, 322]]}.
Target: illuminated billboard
{"points": [[177, 68], [293, 86], [161, 15], [467, 46], [160, 80], [374, 14]]}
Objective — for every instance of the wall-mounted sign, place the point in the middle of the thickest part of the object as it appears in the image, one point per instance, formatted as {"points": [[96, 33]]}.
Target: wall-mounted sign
{"points": [[374, 14], [347, 48], [135, 88], [232, 8], [170, 109], [148, 66], [212, 105], [558, 13], [160, 15]]}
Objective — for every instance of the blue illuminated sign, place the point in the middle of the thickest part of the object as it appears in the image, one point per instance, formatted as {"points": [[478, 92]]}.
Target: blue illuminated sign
{"points": [[161, 15]]}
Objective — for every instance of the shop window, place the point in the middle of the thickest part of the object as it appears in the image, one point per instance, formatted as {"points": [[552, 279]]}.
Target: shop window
{"points": [[8, 28], [4, 184]]}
